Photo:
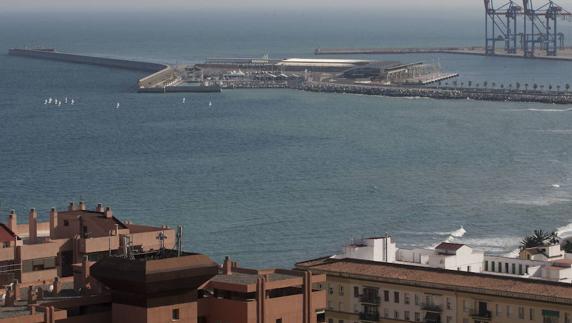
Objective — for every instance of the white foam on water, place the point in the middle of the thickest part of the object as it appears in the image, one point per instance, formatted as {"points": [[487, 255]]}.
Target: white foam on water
{"points": [[565, 231], [541, 201], [549, 110]]}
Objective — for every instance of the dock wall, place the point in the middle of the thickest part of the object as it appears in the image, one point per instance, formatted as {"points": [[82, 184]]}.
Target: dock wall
{"points": [[442, 93], [90, 60]]}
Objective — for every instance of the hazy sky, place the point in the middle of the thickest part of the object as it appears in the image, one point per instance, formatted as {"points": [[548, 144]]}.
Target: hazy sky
{"points": [[234, 4]]}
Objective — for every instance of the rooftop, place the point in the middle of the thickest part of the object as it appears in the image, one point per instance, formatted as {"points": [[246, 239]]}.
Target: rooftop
{"points": [[241, 278], [449, 246], [444, 279]]}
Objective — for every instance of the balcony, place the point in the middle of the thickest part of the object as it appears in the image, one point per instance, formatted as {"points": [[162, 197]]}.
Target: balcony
{"points": [[432, 307], [486, 315], [370, 317], [370, 299]]}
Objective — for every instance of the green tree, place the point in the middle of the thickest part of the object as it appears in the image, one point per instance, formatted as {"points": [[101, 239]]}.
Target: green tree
{"points": [[535, 86], [539, 238], [518, 85]]}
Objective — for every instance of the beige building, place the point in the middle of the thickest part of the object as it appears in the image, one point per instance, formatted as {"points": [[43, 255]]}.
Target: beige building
{"points": [[368, 291]]}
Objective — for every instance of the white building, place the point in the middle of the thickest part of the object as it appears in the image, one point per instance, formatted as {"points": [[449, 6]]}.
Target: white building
{"points": [[547, 263]]}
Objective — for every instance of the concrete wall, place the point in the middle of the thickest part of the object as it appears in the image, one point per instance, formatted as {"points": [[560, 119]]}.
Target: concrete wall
{"points": [[83, 59]]}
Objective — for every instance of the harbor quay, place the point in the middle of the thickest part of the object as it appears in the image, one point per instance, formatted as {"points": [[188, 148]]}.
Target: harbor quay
{"points": [[90, 266], [385, 78]]}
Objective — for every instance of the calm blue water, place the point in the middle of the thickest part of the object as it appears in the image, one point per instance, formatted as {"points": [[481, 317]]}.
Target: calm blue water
{"points": [[271, 177]]}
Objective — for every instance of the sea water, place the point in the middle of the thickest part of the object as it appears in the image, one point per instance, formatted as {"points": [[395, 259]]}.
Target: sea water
{"points": [[271, 177]]}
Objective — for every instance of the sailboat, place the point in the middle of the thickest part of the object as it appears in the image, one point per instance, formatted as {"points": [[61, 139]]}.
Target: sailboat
{"points": [[117, 106], [210, 104], [72, 102], [66, 100], [50, 101], [45, 101], [184, 100]]}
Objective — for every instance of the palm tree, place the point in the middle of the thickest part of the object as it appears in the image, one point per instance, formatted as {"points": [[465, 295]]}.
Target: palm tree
{"points": [[535, 86], [494, 85], [470, 83], [518, 85], [502, 86], [558, 88], [550, 87], [539, 238], [485, 83], [526, 86], [510, 86], [567, 86]]}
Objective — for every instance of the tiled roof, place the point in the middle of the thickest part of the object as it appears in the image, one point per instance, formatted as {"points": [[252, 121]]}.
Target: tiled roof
{"points": [[449, 246], [444, 279], [6, 234]]}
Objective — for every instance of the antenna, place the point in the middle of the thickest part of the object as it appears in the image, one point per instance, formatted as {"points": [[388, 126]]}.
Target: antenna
{"points": [[179, 238]]}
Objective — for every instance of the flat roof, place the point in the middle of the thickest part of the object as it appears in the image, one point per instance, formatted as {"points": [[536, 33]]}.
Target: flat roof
{"points": [[248, 278], [411, 275]]}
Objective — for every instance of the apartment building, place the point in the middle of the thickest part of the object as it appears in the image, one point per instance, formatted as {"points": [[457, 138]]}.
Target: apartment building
{"points": [[546, 263], [37, 251], [373, 291]]}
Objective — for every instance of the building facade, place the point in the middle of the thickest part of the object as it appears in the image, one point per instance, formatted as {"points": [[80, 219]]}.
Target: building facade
{"points": [[369, 291]]}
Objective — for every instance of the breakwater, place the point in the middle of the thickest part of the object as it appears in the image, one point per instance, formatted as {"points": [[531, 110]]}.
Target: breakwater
{"points": [[438, 50], [52, 54], [441, 93], [164, 78]]}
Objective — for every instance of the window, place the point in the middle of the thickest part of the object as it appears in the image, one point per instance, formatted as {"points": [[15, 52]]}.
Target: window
{"points": [[500, 267], [449, 319], [278, 320], [66, 223], [396, 297], [514, 269], [330, 290], [506, 267], [6, 244], [175, 315], [385, 313], [498, 310], [396, 315], [465, 306], [527, 269], [520, 269], [416, 299], [406, 298], [469, 268], [417, 317], [356, 291], [341, 291], [386, 295], [340, 321], [330, 320], [448, 303], [486, 265], [508, 311], [406, 315], [531, 314], [566, 318], [521, 312], [492, 266]]}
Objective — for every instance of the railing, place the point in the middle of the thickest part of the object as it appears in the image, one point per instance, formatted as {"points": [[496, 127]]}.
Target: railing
{"points": [[481, 314], [431, 307], [374, 317], [370, 299]]}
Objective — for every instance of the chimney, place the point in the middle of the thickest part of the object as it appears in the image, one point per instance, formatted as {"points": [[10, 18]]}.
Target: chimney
{"points": [[71, 206], [227, 266], [99, 208], [82, 206], [13, 221], [33, 225], [108, 213], [53, 222]]}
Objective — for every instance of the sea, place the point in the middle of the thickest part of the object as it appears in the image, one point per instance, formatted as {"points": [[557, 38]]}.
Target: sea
{"points": [[272, 177]]}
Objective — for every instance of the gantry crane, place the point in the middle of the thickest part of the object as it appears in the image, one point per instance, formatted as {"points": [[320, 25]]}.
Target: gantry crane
{"points": [[501, 26]]}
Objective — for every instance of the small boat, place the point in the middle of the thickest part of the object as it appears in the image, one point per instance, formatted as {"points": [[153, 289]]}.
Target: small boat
{"points": [[66, 100], [50, 101], [210, 104], [117, 106], [184, 100], [72, 102], [46, 101]]}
